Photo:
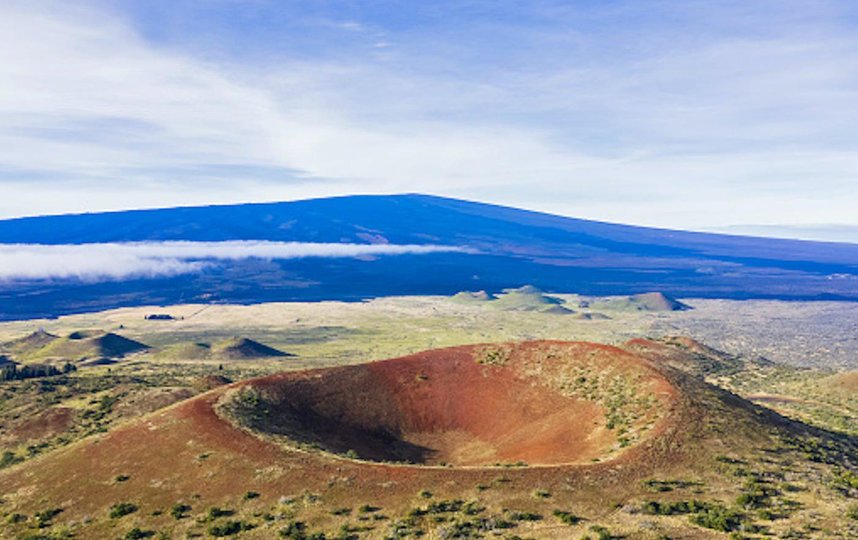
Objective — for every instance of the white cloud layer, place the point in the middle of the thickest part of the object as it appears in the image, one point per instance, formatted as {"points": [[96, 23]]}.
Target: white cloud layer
{"points": [[109, 261]]}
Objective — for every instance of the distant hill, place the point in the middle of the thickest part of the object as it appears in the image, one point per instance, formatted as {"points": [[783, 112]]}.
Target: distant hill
{"points": [[468, 297], [526, 298], [653, 301], [243, 348], [236, 348], [30, 342], [508, 247], [76, 347]]}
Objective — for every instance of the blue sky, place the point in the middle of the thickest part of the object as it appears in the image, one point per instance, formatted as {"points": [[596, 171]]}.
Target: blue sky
{"points": [[684, 114]]}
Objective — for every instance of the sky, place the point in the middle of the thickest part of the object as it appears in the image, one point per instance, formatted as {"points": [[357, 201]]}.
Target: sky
{"points": [[708, 115]]}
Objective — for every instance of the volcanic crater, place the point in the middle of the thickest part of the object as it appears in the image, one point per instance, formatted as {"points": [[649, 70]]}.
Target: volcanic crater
{"points": [[474, 406]]}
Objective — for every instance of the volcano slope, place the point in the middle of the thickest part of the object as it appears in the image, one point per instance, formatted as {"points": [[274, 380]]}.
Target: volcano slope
{"points": [[540, 439], [468, 406]]}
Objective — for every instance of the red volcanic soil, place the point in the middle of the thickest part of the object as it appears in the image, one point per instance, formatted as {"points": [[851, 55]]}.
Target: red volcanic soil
{"points": [[44, 425], [431, 407], [434, 407]]}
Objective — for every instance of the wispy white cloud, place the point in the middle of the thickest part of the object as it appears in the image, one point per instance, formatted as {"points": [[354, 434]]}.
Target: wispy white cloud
{"points": [[106, 261], [684, 114]]}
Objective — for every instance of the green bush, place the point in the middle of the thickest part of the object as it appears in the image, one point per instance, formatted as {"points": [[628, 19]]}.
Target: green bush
{"points": [[9, 458], [16, 518], [217, 512], [180, 510], [719, 518], [601, 532], [122, 509], [229, 528], [542, 494], [297, 530], [567, 517], [44, 518], [137, 534], [660, 508], [525, 516]]}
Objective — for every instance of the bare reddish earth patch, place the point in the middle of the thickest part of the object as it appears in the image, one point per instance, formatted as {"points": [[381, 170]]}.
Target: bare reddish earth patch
{"points": [[435, 407], [47, 424]]}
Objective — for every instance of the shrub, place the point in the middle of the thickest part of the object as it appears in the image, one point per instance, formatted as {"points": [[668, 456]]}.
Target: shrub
{"points": [[567, 517], [719, 518], [9, 458], [180, 510], [16, 518], [251, 495], [137, 534], [525, 516], [43, 518], [297, 530], [601, 532], [216, 512], [756, 494], [472, 508], [542, 494], [844, 480], [228, 528], [660, 508], [443, 507], [122, 509]]}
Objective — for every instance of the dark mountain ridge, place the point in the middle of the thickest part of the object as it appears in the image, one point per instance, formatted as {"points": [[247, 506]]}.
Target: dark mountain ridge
{"points": [[555, 253]]}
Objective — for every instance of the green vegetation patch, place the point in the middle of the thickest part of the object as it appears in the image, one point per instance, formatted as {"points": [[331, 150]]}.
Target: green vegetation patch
{"points": [[121, 509]]}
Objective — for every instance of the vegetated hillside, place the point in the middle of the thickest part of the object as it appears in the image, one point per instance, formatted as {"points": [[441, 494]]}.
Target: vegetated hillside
{"points": [[554, 253], [29, 343], [76, 347], [473, 297], [653, 301], [236, 348], [530, 298], [705, 461], [525, 298]]}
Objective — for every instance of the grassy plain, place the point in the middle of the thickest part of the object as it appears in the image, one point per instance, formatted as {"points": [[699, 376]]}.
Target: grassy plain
{"points": [[796, 358]]}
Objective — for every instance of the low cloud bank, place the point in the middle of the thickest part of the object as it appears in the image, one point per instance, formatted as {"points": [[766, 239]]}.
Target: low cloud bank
{"points": [[92, 262]]}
